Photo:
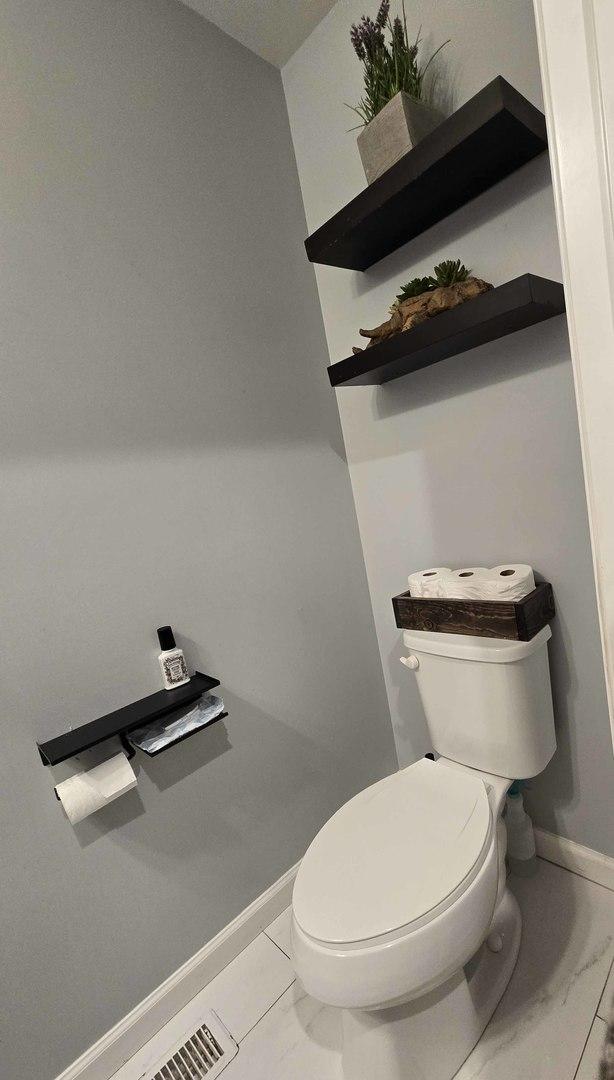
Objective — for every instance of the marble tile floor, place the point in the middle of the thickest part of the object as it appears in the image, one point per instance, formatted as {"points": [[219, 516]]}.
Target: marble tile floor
{"points": [[549, 1024]]}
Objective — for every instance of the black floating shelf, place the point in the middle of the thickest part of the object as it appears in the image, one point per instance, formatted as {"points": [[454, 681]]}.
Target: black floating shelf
{"points": [[485, 140], [519, 303], [124, 720]]}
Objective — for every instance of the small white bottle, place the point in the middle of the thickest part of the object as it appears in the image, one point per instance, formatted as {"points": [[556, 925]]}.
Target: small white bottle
{"points": [[171, 659], [520, 838]]}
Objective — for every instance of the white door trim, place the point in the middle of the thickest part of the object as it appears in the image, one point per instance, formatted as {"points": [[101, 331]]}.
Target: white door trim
{"points": [[576, 48]]}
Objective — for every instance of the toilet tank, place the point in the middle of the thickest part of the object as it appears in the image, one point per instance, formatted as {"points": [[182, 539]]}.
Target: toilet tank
{"points": [[487, 701]]}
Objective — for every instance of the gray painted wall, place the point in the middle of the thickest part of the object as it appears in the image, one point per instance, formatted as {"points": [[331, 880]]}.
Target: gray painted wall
{"points": [[170, 453], [477, 460]]}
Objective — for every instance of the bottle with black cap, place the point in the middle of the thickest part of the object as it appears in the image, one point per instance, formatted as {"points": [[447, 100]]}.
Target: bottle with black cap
{"points": [[172, 661]]}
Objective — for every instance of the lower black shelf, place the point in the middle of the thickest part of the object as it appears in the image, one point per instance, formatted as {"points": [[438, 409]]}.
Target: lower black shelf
{"points": [[122, 720], [519, 303]]}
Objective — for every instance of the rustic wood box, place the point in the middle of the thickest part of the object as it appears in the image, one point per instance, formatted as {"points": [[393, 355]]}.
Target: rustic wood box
{"points": [[516, 619]]}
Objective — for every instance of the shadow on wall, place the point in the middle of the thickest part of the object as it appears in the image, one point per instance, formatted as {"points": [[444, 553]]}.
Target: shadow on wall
{"points": [[482, 451], [203, 774], [564, 689], [560, 771], [502, 361], [454, 230], [407, 705]]}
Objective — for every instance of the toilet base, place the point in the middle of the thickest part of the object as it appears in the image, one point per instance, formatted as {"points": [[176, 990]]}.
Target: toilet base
{"points": [[430, 1038]]}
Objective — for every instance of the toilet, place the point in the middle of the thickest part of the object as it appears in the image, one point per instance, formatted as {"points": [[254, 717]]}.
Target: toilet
{"points": [[401, 915]]}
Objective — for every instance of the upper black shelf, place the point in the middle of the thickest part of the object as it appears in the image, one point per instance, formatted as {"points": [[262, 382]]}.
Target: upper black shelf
{"points": [[522, 302], [485, 140], [123, 720]]}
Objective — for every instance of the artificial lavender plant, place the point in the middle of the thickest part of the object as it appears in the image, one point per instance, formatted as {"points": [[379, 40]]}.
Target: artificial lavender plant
{"points": [[388, 66]]}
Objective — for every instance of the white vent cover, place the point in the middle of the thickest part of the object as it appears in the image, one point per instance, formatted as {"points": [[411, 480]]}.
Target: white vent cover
{"points": [[203, 1053]]}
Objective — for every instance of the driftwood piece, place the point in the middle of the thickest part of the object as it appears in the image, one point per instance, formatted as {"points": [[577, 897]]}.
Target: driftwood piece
{"points": [[409, 313]]}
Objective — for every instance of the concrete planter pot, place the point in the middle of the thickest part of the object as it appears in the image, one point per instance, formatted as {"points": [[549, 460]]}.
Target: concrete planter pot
{"points": [[399, 126]]}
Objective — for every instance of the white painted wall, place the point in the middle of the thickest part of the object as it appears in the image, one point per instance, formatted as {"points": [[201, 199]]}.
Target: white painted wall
{"points": [[170, 453], [476, 460], [272, 28]]}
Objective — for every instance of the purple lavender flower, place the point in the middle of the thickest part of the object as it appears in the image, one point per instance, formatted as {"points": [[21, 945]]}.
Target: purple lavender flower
{"points": [[398, 32], [356, 39], [387, 67], [367, 38], [382, 15], [371, 34]]}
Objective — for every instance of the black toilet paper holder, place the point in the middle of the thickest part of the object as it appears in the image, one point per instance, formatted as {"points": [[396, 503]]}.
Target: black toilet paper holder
{"points": [[122, 721]]}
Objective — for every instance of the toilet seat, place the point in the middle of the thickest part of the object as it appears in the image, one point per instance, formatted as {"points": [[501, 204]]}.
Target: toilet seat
{"points": [[371, 927], [395, 857]]}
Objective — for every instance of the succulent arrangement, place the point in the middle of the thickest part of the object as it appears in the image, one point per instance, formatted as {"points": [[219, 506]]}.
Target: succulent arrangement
{"points": [[448, 272], [389, 66], [422, 298], [414, 287]]}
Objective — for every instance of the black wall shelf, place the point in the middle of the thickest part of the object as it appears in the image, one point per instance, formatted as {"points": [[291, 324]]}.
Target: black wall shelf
{"points": [[123, 720], [519, 303], [485, 140]]}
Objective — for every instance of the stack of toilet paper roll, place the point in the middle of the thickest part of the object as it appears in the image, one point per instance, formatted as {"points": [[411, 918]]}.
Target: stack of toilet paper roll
{"points": [[510, 581]]}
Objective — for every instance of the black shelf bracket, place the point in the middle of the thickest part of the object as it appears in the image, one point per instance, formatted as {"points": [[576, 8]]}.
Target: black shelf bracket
{"points": [[120, 722], [129, 749]]}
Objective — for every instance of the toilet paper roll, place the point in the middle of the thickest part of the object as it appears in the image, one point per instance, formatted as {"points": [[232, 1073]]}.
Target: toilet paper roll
{"points": [[429, 582], [86, 792], [511, 581], [468, 583]]}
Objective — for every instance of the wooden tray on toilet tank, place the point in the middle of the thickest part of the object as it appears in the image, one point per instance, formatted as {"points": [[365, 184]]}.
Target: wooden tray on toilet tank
{"points": [[519, 620]]}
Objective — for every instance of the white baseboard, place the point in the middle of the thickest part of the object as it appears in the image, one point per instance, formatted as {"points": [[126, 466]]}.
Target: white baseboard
{"points": [[575, 857], [106, 1056]]}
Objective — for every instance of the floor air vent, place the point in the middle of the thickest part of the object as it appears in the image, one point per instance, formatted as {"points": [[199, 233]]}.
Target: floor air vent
{"points": [[203, 1054]]}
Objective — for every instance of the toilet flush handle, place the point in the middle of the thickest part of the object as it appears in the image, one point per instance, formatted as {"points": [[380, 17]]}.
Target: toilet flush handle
{"points": [[411, 662]]}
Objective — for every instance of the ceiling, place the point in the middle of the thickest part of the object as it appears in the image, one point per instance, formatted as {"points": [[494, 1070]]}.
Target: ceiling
{"points": [[272, 28]]}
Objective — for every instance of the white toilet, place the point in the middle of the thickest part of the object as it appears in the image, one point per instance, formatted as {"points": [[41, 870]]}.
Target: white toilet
{"points": [[401, 913]]}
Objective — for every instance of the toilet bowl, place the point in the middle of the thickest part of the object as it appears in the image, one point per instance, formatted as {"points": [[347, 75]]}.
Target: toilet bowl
{"points": [[411, 872], [396, 894], [401, 916]]}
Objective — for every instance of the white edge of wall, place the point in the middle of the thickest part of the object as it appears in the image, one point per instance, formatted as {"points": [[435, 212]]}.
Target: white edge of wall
{"points": [[106, 1056], [577, 133]]}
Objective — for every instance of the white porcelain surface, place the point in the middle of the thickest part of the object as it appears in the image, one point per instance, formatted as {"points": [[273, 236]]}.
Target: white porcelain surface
{"points": [[487, 705], [607, 998], [393, 854], [538, 1030], [408, 963], [589, 1065], [279, 931], [398, 1044], [467, 647]]}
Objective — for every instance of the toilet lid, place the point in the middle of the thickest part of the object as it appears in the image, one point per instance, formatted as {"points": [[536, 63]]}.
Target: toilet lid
{"points": [[392, 854]]}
